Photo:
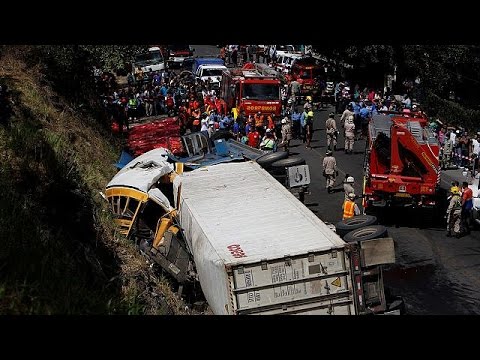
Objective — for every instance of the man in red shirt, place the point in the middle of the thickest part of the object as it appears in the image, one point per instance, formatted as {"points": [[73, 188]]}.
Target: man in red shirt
{"points": [[253, 138], [467, 205]]}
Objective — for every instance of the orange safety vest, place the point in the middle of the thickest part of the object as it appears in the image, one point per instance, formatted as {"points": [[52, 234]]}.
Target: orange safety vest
{"points": [[271, 123], [348, 209], [258, 120]]}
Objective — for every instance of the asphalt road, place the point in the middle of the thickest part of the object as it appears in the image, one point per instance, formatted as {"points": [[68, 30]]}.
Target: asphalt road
{"points": [[434, 274]]}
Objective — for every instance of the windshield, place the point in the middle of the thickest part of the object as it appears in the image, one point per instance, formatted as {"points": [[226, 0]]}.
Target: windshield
{"points": [[306, 74], [284, 48], [212, 72], [150, 58], [261, 91], [179, 47], [308, 61], [318, 72]]}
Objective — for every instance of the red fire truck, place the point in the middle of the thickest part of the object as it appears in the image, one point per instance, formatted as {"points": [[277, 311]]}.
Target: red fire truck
{"points": [[252, 88], [401, 163], [305, 70]]}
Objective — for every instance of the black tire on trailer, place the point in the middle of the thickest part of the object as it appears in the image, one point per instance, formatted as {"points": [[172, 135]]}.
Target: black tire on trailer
{"points": [[221, 134], [266, 160], [291, 161], [345, 226], [397, 304], [366, 233]]}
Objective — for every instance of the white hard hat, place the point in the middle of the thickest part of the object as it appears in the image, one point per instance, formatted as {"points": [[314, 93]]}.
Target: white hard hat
{"points": [[284, 121], [351, 196], [268, 130], [350, 179]]}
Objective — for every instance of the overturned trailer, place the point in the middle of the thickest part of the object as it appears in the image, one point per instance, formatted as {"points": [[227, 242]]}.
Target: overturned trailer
{"points": [[252, 245], [259, 250]]}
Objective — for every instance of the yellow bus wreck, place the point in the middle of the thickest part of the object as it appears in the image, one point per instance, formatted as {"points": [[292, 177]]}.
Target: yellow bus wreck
{"points": [[140, 196]]}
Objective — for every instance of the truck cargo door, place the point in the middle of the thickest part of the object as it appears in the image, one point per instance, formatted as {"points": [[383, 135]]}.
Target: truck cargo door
{"points": [[311, 284]]}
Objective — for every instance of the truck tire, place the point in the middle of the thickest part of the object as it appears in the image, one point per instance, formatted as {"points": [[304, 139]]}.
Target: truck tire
{"points": [[397, 304], [266, 160], [366, 233], [221, 134], [291, 161], [345, 226]]}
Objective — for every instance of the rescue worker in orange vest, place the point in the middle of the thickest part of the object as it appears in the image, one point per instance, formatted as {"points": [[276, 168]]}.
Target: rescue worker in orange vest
{"points": [[196, 120], [260, 123], [271, 121], [350, 209]]}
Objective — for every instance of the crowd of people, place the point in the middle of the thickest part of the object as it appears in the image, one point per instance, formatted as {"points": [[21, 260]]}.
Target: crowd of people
{"points": [[199, 108], [165, 93]]}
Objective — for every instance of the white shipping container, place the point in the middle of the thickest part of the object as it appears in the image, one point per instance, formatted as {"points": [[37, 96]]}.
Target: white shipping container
{"points": [[257, 249]]}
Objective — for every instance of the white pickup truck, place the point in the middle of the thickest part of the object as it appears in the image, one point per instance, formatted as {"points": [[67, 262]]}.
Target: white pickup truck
{"points": [[211, 73], [209, 70]]}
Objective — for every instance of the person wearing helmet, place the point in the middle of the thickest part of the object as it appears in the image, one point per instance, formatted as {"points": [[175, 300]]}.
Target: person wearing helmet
{"points": [[309, 129], [286, 133], [454, 212], [308, 104], [350, 209], [268, 142], [348, 185], [329, 170], [348, 112], [331, 130], [349, 128], [211, 128]]}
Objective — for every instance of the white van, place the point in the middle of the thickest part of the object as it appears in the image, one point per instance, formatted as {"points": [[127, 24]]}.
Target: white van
{"points": [[152, 60], [284, 62]]}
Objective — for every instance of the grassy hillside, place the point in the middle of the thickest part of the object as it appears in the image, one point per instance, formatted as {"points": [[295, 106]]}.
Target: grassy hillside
{"points": [[59, 253]]}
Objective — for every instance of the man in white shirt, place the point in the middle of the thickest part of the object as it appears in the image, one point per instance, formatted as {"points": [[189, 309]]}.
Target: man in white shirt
{"points": [[475, 149]]}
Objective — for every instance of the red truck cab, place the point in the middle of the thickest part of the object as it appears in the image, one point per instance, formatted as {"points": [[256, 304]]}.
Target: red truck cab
{"points": [[305, 70], [401, 166], [252, 91]]}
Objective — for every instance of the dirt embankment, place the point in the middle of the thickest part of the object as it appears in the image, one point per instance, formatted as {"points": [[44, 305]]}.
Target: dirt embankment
{"points": [[59, 251]]}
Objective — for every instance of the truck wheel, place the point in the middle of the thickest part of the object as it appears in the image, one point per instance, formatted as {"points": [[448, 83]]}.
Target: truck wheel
{"points": [[366, 233], [291, 161], [345, 226], [397, 304], [221, 134], [266, 160]]}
